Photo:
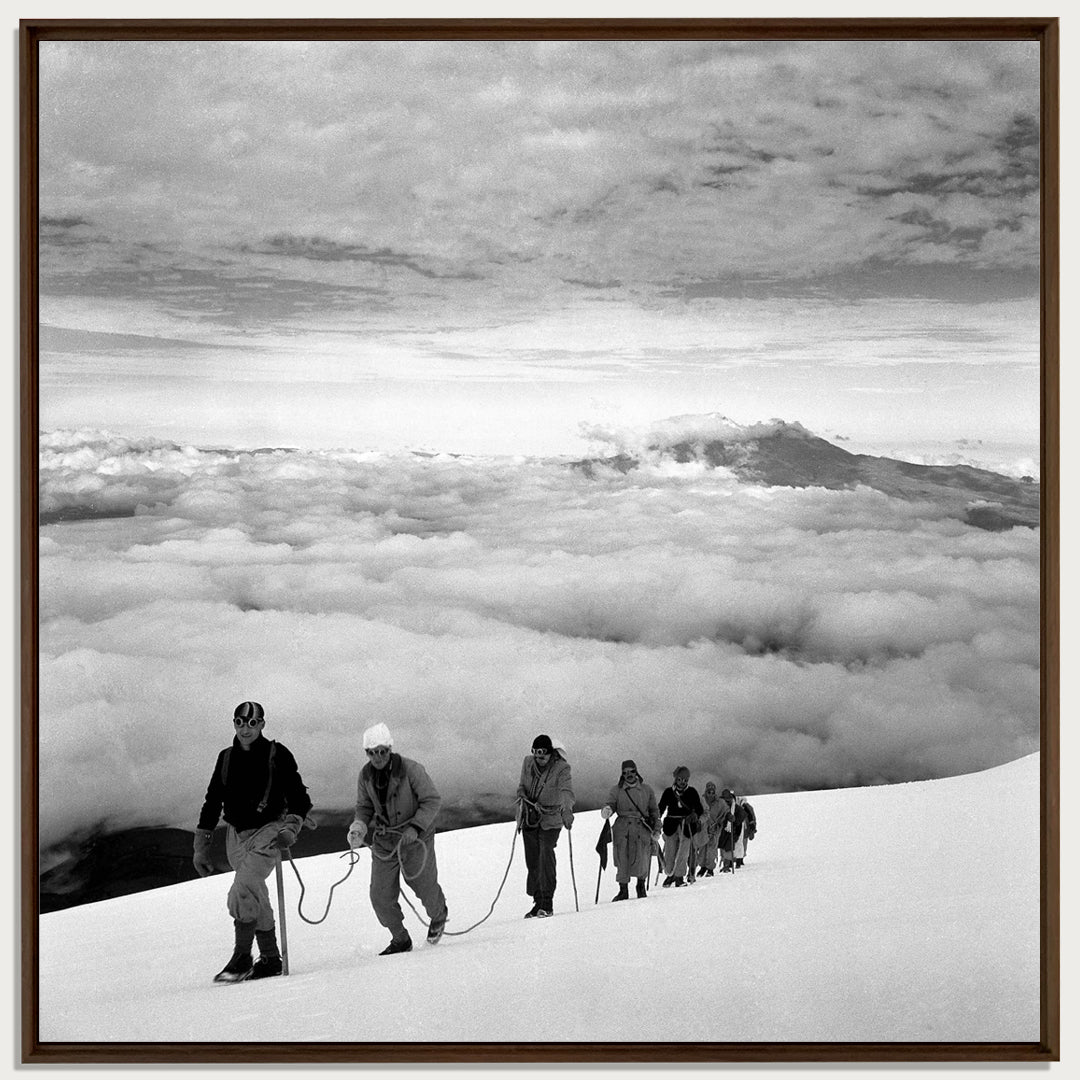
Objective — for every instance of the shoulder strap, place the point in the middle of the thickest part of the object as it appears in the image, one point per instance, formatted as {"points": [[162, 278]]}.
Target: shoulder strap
{"points": [[269, 772], [539, 789], [634, 803], [269, 776]]}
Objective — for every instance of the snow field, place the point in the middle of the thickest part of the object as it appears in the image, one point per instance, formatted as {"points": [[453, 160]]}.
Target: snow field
{"points": [[907, 912]]}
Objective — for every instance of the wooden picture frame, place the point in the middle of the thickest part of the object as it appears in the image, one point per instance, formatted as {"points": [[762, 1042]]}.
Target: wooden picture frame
{"points": [[34, 32]]}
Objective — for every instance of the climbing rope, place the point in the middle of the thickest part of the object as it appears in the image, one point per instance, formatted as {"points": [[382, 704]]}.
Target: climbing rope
{"points": [[451, 933], [354, 858]]}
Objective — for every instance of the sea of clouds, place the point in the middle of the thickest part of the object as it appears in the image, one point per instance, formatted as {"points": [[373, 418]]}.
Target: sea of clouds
{"points": [[770, 638]]}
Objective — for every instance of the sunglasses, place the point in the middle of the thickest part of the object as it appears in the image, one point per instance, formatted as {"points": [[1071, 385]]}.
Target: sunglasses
{"points": [[541, 753], [378, 751], [251, 721]]}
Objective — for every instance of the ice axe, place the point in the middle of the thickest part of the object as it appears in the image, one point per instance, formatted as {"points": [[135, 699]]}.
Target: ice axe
{"points": [[573, 879], [281, 916]]}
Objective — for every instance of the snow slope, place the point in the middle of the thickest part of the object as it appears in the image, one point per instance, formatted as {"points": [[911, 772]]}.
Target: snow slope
{"points": [[907, 912]]}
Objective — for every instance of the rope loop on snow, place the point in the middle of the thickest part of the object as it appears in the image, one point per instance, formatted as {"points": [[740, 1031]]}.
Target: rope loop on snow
{"points": [[354, 858]]}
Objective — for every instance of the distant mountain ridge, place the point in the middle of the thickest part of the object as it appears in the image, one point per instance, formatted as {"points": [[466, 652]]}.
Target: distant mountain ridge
{"points": [[784, 454]]}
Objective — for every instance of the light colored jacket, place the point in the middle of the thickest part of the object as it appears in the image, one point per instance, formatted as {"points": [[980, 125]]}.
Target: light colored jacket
{"points": [[550, 790], [714, 811], [635, 805], [411, 798]]}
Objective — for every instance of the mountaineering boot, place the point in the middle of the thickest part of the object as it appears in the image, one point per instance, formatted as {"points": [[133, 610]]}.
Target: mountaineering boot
{"points": [[622, 894], [266, 967], [738, 862], [668, 882], [543, 913], [435, 930], [709, 873], [690, 878], [239, 966], [269, 962], [398, 945], [532, 912], [236, 970], [727, 867], [641, 887], [679, 883]]}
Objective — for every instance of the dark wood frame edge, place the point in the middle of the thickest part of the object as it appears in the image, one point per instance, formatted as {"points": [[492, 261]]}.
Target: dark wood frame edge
{"points": [[1045, 30]]}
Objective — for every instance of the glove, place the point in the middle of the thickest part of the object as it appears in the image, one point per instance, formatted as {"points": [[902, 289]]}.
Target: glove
{"points": [[357, 832], [288, 833], [201, 860], [568, 821], [409, 835], [606, 812]]}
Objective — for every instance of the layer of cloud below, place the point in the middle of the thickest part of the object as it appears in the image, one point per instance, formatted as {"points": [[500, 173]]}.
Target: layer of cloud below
{"points": [[772, 639]]}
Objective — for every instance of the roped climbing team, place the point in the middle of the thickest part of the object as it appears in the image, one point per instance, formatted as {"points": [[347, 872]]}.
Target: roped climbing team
{"points": [[257, 788]]}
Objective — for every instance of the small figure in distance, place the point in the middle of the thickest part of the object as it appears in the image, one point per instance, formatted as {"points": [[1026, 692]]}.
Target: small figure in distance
{"points": [[638, 818], [751, 827], [707, 838], [681, 806], [732, 832]]}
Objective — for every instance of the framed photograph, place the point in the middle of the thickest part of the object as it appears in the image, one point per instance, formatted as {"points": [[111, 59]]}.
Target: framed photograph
{"points": [[476, 473]]}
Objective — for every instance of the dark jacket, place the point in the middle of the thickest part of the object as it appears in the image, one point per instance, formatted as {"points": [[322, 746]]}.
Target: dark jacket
{"points": [[751, 820], [238, 798], [731, 823], [684, 810]]}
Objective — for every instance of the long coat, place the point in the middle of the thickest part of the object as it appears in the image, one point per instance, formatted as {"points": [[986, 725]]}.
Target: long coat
{"points": [[732, 825], [411, 798], [550, 790], [632, 835]]}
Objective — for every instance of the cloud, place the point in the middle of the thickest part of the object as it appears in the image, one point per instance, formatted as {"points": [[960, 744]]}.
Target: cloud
{"points": [[652, 164], [772, 638]]}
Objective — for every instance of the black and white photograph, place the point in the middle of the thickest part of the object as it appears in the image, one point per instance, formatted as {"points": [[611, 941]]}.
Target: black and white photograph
{"points": [[540, 540]]}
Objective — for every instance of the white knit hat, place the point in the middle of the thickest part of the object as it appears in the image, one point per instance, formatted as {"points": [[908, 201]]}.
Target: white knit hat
{"points": [[379, 735]]}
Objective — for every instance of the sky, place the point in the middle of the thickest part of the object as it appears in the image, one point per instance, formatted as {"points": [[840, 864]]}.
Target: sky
{"points": [[481, 246], [866, 914], [776, 638]]}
